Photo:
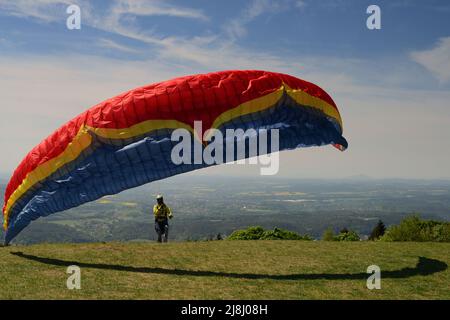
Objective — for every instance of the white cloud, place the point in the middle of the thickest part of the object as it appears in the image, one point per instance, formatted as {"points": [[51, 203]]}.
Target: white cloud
{"points": [[436, 60], [112, 21], [208, 52], [43, 10], [300, 4], [110, 44], [156, 8], [54, 10], [4, 42], [212, 55], [236, 28]]}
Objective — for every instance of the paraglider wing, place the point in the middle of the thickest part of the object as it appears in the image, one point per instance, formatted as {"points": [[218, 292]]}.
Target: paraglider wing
{"points": [[126, 141]]}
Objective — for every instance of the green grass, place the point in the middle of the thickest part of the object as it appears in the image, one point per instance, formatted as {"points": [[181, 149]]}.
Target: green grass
{"points": [[226, 270]]}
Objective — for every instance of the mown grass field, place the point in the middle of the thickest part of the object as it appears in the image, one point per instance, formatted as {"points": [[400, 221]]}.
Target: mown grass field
{"points": [[226, 270]]}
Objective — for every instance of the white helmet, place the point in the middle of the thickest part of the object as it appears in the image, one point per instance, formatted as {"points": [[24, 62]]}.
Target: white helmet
{"points": [[159, 197]]}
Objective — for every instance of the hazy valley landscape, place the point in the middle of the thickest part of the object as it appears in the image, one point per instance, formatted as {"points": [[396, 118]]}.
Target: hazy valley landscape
{"points": [[205, 206]]}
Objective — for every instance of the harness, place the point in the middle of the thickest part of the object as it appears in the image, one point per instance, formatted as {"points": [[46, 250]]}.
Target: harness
{"points": [[161, 212]]}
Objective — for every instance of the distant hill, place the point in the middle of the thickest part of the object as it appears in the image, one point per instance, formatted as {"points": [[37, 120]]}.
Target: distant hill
{"points": [[226, 270], [359, 177]]}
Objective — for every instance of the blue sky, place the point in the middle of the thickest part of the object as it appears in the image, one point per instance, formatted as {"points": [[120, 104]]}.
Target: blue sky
{"points": [[391, 85]]}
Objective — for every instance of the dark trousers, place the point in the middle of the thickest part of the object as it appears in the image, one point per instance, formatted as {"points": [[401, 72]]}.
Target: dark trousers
{"points": [[162, 228]]}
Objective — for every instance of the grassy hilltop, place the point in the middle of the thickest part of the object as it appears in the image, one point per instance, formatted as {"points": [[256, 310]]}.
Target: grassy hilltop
{"points": [[227, 270]]}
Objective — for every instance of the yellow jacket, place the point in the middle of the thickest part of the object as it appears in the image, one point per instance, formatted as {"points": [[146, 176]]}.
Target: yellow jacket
{"points": [[162, 211]]}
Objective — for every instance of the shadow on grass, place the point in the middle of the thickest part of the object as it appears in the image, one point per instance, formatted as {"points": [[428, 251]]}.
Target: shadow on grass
{"points": [[424, 267]]}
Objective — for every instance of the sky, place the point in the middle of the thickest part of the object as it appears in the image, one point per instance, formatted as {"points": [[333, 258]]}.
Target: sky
{"points": [[392, 85]]}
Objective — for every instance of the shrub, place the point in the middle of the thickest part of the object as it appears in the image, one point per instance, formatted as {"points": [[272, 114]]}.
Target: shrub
{"points": [[251, 233], [344, 235], [414, 229], [258, 233], [328, 235], [347, 236], [280, 234]]}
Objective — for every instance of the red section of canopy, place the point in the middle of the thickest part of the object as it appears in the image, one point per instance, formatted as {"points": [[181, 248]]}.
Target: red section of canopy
{"points": [[198, 97]]}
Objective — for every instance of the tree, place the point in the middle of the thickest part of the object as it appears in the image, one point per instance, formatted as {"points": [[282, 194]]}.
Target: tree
{"points": [[378, 231]]}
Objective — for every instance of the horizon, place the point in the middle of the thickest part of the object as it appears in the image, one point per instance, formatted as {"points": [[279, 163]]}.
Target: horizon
{"points": [[352, 178]]}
